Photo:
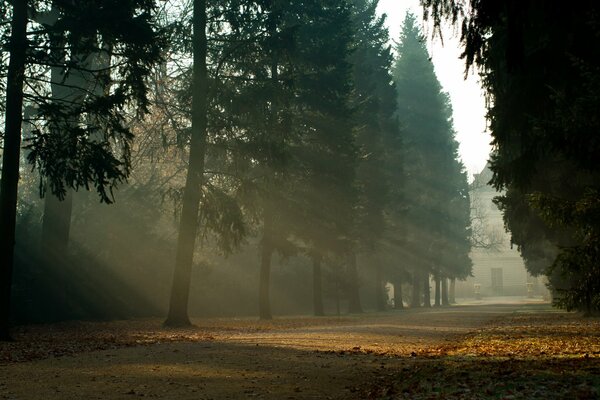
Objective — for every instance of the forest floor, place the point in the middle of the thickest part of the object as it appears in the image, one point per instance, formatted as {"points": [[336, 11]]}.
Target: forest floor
{"points": [[484, 351]]}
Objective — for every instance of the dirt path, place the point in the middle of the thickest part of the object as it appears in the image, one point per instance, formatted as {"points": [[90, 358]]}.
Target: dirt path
{"points": [[297, 358]]}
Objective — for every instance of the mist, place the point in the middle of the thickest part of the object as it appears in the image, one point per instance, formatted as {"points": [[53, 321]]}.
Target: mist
{"points": [[298, 199]]}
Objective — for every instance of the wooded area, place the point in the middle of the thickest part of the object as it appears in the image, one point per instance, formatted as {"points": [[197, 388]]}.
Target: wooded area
{"points": [[291, 128], [199, 158]]}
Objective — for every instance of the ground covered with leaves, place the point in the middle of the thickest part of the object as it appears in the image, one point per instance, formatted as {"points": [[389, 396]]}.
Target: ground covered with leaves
{"points": [[517, 351], [532, 354]]}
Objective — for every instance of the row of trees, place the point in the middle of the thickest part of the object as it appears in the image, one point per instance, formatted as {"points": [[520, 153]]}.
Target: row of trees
{"points": [[275, 123], [541, 76]]}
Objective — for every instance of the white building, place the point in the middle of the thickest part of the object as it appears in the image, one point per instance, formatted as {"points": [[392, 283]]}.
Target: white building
{"points": [[499, 269]]}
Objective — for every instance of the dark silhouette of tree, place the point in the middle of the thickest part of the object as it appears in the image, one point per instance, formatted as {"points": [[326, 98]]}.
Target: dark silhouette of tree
{"points": [[377, 137], [95, 150], [10, 157], [194, 180], [541, 78]]}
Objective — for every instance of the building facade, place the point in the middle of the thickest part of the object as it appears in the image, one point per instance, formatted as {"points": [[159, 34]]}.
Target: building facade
{"points": [[498, 269]]}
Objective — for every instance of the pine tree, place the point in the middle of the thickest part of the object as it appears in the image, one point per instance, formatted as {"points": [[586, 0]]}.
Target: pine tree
{"points": [[377, 137], [95, 150], [542, 78], [437, 222]]}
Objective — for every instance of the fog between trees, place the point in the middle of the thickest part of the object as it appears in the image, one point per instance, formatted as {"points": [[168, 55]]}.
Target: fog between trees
{"points": [[250, 158]]}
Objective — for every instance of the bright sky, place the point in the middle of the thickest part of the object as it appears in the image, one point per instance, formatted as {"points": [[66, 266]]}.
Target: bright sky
{"points": [[467, 98]]}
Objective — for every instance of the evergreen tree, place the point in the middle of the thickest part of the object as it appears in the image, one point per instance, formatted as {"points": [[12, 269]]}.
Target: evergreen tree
{"points": [[307, 192], [207, 100], [436, 192], [378, 139], [94, 150], [542, 81]]}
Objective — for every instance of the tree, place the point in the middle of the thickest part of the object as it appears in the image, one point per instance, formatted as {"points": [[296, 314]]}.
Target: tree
{"points": [[10, 156], [217, 183], [95, 150], [298, 86], [436, 190], [541, 79], [378, 140], [194, 180]]}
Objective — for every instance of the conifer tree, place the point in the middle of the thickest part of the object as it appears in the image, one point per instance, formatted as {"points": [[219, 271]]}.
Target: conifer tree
{"points": [[94, 150], [541, 78], [378, 140], [437, 225]]}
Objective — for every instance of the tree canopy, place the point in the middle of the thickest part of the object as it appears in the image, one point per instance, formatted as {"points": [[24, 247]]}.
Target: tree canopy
{"points": [[541, 77]]}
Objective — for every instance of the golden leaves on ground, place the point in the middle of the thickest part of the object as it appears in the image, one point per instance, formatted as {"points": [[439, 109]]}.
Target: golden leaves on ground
{"points": [[546, 355], [531, 335], [36, 342]]}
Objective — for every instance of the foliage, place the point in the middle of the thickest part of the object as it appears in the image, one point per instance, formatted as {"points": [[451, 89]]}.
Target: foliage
{"points": [[541, 79], [436, 189], [87, 64]]}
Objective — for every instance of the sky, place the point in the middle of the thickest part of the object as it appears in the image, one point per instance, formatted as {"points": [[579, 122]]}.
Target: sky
{"points": [[467, 98]]}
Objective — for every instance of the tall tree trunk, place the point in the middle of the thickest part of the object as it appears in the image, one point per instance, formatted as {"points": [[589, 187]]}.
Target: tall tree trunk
{"points": [[56, 227], [264, 298], [452, 294], [426, 290], [354, 306], [398, 303], [438, 285], [445, 300], [188, 225], [416, 290], [264, 289], [338, 309], [10, 158], [379, 288], [56, 222], [266, 255], [317, 286]]}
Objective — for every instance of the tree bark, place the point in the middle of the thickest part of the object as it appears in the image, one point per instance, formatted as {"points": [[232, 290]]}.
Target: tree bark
{"points": [[354, 306], [188, 225], [264, 297], [56, 227], [426, 290], [416, 291], [10, 158], [398, 303], [438, 284], [267, 247], [445, 299], [317, 286], [56, 222], [379, 289], [452, 294]]}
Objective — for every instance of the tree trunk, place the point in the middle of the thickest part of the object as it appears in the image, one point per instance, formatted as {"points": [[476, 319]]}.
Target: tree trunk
{"points": [[56, 227], [452, 294], [426, 290], [398, 303], [10, 158], [188, 225], [354, 306], [264, 298], [379, 289], [416, 291], [317, 286], [445, 299], [438, 285], [338, 310]]}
